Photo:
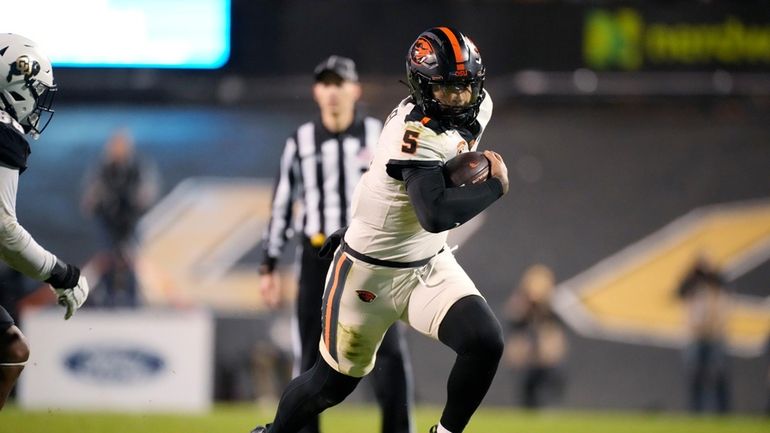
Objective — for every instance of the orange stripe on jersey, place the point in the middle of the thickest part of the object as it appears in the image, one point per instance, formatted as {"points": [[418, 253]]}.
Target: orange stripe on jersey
{"points": [[459, 57], [425, 120], [330, 301]]}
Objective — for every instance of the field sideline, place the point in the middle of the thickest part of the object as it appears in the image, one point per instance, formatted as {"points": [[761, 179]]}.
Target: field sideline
{"points": [[240, 418]]}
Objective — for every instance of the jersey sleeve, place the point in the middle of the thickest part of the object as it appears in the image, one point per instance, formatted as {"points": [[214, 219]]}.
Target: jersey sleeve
{"points": [[17, 247], [419, 142], [284, 195], [372, 131], [421, 147]]}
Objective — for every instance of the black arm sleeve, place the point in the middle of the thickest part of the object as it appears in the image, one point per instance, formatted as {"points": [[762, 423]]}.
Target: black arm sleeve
{"points": [[439, 208]]}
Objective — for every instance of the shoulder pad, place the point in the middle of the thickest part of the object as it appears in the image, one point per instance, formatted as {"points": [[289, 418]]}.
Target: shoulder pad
{"points": [[471, 131], [416, 115], [14, 148], [7, 119]]}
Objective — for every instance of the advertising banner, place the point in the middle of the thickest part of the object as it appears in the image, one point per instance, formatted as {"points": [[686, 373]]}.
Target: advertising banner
{"points": [[635, 37], [514, 36], [123, 360]]}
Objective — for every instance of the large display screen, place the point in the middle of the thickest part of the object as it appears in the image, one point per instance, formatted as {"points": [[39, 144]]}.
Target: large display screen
{"points": [[125, 33]]}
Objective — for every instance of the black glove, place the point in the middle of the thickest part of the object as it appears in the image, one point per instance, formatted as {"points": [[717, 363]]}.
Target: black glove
{"points": [[332, 242]]}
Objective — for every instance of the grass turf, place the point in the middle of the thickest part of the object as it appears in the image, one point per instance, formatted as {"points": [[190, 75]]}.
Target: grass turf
{"points": [[240, 418]]}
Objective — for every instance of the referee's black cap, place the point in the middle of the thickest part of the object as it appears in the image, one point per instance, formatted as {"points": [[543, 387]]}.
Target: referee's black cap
{"points": [[343, 67]]}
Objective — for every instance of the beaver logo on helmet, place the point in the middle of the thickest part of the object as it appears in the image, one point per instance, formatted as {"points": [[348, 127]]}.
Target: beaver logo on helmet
{"points": [[423, 54]]}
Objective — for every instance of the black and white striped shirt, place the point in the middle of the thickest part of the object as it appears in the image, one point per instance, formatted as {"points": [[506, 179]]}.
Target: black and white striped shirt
{"points": [[318, 170]]}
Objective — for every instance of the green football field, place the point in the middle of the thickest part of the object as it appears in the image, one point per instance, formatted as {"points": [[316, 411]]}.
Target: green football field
{"points": [[364, 419]]}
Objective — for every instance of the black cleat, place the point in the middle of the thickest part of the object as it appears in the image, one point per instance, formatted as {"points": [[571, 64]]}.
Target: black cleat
{"points": [[260, 429]]}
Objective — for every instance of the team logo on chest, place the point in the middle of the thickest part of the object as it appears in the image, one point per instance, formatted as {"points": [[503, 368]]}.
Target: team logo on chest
{"points": [[366, 295]]}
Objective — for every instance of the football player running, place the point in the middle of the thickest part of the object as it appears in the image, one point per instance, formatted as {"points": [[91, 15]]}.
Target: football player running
{"points": [[26, 92], [393, 263]]}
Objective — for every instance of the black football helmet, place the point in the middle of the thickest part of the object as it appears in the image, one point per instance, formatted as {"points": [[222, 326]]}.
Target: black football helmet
{"points": [[443, 56]]}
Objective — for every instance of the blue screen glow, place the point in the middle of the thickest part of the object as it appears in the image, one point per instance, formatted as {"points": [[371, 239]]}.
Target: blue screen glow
{"points": [[125, 33]]}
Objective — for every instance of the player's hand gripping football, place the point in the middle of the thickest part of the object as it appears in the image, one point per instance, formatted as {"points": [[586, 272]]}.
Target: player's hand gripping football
{"points": [[73, 297], [498, 168]]}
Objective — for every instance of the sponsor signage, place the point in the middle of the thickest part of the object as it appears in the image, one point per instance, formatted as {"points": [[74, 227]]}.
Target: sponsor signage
{"points": [[109, 364], [631, 38], [143, 360]]}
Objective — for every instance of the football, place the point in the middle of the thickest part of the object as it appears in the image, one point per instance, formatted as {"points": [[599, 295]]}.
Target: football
{"points": [[466, 168]]}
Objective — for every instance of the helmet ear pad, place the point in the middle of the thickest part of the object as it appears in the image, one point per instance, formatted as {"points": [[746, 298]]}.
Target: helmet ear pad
{"points": [[442, 55]]}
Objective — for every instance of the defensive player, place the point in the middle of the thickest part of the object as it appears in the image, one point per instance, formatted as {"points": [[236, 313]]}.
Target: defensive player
{"points": [[393, 262], [321, 164], [26, 92]]}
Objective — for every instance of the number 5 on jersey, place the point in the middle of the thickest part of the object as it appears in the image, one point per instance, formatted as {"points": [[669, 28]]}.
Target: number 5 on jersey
{"points": [[410, 141]]}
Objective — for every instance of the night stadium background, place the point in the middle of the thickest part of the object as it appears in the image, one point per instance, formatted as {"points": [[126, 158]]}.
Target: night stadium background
{"points": [[637, 134]]}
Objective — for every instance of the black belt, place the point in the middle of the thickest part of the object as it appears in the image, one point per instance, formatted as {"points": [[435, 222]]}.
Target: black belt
{"points": [[386, 263]]}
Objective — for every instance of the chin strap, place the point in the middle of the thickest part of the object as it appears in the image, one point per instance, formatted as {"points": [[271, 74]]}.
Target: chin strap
{"points": [[13, 364]]}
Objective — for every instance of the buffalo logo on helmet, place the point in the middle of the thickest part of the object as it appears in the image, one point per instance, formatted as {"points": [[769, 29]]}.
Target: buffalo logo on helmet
{"points": [[423, 53], [23, 66]]}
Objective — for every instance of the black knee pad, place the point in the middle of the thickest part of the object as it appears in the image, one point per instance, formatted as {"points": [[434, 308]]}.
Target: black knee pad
{"points": [[13, 346], [470, 327]]}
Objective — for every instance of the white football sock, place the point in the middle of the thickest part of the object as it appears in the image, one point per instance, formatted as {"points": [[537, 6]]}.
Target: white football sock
{"points": [[442, 429]]}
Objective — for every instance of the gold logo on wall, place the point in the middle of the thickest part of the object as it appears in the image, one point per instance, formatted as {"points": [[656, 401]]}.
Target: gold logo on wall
{"points": [[631, 295]]}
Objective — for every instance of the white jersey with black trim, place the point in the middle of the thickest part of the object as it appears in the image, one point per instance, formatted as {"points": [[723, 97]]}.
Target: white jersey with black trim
{"points": [[17, 247], [384, 224]]}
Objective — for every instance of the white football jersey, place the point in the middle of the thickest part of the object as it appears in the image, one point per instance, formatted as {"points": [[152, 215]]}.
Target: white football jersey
{"points": [[384, 224], [17, 247]]}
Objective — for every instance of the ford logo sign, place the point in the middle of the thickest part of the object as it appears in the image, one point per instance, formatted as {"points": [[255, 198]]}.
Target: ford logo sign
{"points": [[113, 364]]}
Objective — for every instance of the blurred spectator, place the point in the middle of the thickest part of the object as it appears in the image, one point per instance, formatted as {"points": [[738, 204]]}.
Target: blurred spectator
{"points": [[707, 302], [118, 190], [536, 345]]}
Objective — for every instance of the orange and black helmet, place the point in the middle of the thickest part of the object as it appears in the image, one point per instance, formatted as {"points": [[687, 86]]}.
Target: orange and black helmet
{"points": [[445, 56]]}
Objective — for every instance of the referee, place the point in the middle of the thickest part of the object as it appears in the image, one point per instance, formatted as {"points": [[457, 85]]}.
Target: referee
{"points": [[320, 166]]}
